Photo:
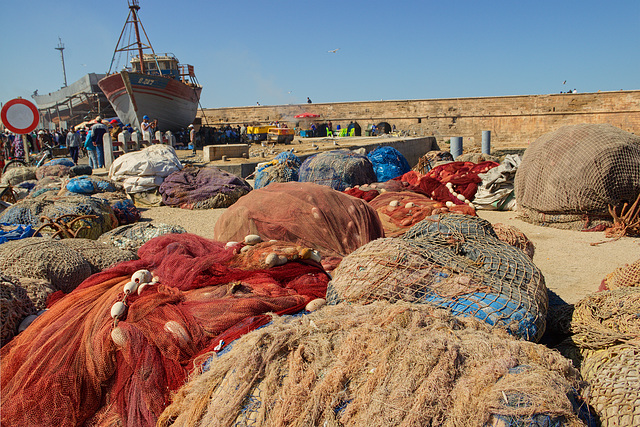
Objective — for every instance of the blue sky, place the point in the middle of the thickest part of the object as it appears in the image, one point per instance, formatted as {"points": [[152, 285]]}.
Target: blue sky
{"points": [[277, 52]]}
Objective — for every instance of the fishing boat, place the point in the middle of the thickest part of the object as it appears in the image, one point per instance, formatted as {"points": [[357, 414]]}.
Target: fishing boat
{"points": [[154, 85]]}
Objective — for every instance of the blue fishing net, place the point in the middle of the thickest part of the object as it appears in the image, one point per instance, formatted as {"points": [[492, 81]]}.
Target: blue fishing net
{"points": [[451, 261], [283, 168], [86, 184], [338, 169], [15, 232], [64, 162], [388, 163]]}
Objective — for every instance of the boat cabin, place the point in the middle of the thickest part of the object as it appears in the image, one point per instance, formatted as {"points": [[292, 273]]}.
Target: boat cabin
{"points": [[165, 64]]}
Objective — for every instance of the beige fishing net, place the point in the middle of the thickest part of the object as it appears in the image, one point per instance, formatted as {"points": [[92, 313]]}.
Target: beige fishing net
{"points": [[380, 365], [15, 305], [625, 276], [569, 178], [99, 255]]}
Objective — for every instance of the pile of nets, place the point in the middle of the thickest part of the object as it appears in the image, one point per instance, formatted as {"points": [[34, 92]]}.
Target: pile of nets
{"points": [[60, 162], [432, 159], [132, 236], [47, 184], [202, 188], [63, 263], [94, 370], [15, 232], [304, 213], [88, 185], [57, 170], [570, 177], [143, 171], [15, 305], [622, 277], [400, 210], [454, 262], [30, 211], [455, 182], [283, 168], [15, 176], [477, 158], [381, 365], [495, 192], [515, 237], [338, 169], [607, 332], [388, 163]]}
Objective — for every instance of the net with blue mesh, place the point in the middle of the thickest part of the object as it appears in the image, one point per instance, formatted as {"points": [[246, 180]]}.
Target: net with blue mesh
{"points": [[338, 169], [283, 168], [388, 163], [452, 261]]}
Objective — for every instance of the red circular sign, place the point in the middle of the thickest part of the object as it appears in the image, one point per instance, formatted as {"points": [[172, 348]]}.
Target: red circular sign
{"points": [[20, 116]]}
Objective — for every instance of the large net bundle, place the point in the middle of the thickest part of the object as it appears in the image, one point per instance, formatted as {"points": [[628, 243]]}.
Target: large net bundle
{"points": [[452, 261], [38, 290], [432, 159], [94, 370], [338, 169], [99, 255], [388, 163], [623, 277], [569, 178], [614, 378], [283, 168], [77, 208], [52, 170], [60, 161], [46, 184], [15, 305], [15, 176], [15, 232], [132, 236], [477, 158], [202, 188], [399, 211], [89, 184], [381, 365], [304, 213], [515, 237], [44, 258]]}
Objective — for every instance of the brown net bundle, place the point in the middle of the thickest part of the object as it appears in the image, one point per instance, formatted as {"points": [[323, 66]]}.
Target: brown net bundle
{"points": [[570, 177], [308, 214], [623, 277], [99, 255], [15, 176], [381, 364], [607, 318], [431, 159], [38, 290], [94, 370], [454, 262], [399, 211], [132, 236], [52, 170], [515, 237], [15, 305], [338, 169], [477, 158], [614, 378], [44, 258]]}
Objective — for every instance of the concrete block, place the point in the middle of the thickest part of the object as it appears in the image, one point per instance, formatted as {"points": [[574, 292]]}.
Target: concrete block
{"points": [[215, 152]]}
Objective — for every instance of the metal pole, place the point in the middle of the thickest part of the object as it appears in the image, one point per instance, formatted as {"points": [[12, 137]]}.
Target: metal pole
{"points": [[486, 142], [456, 146], [60, 47]]}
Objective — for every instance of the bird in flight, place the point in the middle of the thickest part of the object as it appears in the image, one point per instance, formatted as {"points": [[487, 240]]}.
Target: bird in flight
{"points": [[334, 50], [564, 82]]}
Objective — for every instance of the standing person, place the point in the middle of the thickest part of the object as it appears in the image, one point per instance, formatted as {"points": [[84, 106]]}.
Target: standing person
{"points": [[97, 133], [115, 129], [148, 128], [192, 138], [73, 144], [91, 149]]}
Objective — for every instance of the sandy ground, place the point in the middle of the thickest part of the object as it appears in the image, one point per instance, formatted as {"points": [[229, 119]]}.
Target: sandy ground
{"points": [[571, 266]]}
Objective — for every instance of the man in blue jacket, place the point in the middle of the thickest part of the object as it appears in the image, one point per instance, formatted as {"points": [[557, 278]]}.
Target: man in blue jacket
{"points": [[97, 132]]}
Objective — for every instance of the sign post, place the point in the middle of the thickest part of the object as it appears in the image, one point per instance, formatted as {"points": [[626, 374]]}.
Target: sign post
{"points": [[20, 117]]}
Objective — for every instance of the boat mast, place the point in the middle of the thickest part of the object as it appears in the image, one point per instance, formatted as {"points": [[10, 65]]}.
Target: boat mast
{"points": [[134, 7]]}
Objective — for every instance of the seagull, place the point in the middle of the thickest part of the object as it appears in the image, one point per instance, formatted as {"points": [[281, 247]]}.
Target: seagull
{"points": [[334, 50], [564, 82]]}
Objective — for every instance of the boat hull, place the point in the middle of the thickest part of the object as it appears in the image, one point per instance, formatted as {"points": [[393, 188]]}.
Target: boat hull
{"points": [[133, 95]]}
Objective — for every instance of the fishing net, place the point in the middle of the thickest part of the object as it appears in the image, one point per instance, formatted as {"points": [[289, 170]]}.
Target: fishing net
{"points": [[607, 318], [283, 168], [52, 170], [60, 162], [132, 236], [15, 176], [88, 185], [381, 365], [93, 370], [495, 192], [14, 232], [431, 159], [304, 213], [30, 211], [79, 170], [46, 184], [622, 277], [38, 290], [99, 255], [454, 262], [388, 163], [515, 237], [569, 178], [44, 258], [338, 169], [144, 170], [15, 305], [477, 158], [202, 188], [614, 378], [399, 211]]}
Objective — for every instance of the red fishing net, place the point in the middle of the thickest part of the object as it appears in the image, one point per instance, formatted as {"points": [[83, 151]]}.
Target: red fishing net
{"points": [[308, 214], [76, 366]]}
